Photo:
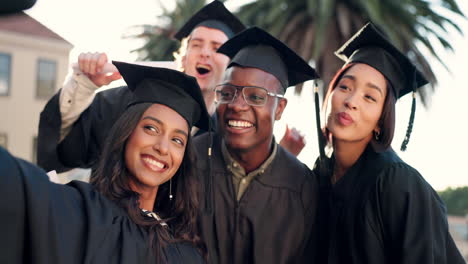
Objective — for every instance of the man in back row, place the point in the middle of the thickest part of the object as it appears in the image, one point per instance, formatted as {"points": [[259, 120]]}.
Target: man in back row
{"points": [[66, 141]]}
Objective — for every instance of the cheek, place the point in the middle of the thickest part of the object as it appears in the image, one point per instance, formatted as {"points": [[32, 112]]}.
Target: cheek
{"points": [[178, 157], [220, 110], [221, 61], [335, 101], [372, 116]]}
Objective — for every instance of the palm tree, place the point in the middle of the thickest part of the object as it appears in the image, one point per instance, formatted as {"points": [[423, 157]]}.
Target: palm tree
{"points": [[316, 28], [160, 43]]}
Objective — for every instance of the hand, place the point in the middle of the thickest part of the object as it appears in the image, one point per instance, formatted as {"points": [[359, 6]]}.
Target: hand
{"points": [[293, 141], [91, 64]]}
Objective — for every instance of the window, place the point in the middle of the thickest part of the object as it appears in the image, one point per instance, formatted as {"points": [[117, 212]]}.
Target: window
{"points": [[5, 73], [3, 140], [46, 78]]}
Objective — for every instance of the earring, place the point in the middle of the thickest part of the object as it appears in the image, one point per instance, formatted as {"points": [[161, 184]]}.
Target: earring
{"points": [[170, 190], [376, 135]]}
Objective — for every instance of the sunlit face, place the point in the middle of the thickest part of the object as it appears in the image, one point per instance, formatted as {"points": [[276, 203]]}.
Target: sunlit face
{"points": [[201, 59], [156, 147], [356, 104], [245, 127]]}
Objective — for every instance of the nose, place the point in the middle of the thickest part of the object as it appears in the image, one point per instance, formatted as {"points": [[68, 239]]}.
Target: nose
{"points": [[161, 146], [350, 102], [205, 51], [239, 103]]}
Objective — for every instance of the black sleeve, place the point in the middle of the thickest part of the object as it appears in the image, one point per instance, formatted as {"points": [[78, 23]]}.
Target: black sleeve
{"points": [[82, 146], [49, 135], [38, 219], [415, 220]]}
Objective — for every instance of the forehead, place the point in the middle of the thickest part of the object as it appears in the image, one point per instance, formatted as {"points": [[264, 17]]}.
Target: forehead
{"points": [[168, 116], [251, 77], [365, 73], [209, 34]]}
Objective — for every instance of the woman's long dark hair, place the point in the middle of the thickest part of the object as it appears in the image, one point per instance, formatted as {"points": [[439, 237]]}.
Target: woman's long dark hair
{"points": [[111, 178]]}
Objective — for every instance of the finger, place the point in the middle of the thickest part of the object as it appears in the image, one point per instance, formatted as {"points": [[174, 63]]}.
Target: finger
{"points": [[81, 60], [93, 63], [101, 60], [84, 62], [287, 132]]}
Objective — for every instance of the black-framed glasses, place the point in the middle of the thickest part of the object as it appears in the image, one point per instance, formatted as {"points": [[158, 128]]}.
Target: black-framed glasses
{"points": [[255, 96]]}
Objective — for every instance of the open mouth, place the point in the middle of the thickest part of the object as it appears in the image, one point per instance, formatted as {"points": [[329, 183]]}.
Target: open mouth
{"points": [[203, 69]]}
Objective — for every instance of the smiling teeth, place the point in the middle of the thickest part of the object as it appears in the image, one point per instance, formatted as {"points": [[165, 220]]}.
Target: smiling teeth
{"points": [[236, 123], [155, 163]]}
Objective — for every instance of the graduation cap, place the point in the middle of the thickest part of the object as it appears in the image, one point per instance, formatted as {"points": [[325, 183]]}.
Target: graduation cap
{"points": [[255, 48], [370, 47], [167, 87], [213, 15]]}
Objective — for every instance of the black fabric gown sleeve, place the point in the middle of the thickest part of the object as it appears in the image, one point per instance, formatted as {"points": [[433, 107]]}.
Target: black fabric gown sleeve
{"points": [[82, 146], [414, 218], [49, 135], [42, 222]]}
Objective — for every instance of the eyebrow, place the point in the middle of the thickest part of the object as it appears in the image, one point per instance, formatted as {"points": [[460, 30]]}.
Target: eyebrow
{"points": [[180, 131], [371, 85], [212, 41]]}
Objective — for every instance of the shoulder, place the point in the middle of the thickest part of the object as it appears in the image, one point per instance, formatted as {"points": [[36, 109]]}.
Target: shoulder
{"points": [[394, 170], [398, 180], [201, 141], [286, 159], [288, 172]]}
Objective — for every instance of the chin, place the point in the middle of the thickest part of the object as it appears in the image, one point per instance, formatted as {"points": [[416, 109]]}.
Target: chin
{"points": [[237, 144]]}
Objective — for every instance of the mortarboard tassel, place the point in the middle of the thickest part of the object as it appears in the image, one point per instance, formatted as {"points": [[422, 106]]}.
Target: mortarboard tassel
{"points": [[318, 123], [405, 142], [410, 124], [209, 182]]}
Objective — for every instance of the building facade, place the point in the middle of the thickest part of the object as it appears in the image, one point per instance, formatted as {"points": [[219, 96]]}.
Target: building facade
{"points": [[33, 65]]}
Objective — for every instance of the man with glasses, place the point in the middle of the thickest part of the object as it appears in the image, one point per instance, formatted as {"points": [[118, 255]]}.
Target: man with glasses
{"points": [[262, 201]]}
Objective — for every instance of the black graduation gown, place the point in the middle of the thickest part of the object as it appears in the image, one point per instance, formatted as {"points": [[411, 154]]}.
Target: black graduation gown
{"points": [[82, 146], [273, 220], [382, 211], [43, 222]]}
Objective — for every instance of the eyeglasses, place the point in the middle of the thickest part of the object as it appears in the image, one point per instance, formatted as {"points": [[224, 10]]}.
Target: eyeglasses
{"points": [[255, 96]]}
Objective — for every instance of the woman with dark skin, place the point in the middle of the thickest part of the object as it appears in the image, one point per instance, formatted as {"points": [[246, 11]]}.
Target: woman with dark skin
{"points": [[374, 207], [141, 206]]}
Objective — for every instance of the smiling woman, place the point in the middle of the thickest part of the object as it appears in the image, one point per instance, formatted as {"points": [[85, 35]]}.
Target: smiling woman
{"points": [[141, 205]]}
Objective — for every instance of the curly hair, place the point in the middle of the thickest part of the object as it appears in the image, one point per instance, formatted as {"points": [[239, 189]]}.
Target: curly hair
{"points": [[111, 178]]}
